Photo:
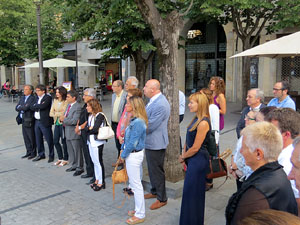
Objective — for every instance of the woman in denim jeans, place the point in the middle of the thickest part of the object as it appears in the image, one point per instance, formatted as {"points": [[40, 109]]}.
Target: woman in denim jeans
{"points": [[133, 153], [58, 109]]}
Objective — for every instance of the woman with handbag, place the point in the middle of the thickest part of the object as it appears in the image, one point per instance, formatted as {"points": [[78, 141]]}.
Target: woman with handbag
{"points": [[95, 120], [58, 109], [196, 157], [133, 153], [215, 121]]}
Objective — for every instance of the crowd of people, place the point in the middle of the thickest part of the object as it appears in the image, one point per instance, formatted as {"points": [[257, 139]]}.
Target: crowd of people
{"points": [[263, 158]]}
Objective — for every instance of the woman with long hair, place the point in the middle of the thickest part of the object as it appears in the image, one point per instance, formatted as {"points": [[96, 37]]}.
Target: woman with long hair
{"points": [[95, 120], [217, 86], [196, 157], [133, 153], [58, 108]]}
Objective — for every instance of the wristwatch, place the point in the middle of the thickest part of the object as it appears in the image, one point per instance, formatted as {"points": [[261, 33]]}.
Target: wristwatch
{"points": [[79, 127]]}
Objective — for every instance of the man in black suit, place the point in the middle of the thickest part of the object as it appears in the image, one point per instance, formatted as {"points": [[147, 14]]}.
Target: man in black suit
{"points": [[27, 116], [255, 97], [43, 123]]}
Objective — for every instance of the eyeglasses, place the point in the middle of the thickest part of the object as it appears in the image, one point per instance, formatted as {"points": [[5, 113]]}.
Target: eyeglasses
{"points": [[249, 118], [278, 89]]}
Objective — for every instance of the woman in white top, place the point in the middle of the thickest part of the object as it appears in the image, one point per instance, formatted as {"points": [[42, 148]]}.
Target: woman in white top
{"points": [[95, 120], [214, 114]]}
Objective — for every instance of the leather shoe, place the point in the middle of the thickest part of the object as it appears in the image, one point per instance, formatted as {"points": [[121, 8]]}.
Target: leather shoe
{"points": [[50, 160], [25, 156], [77, 173], [70, 169], [91, 181], [157, 204], [38, 158], [31, 157], [149, 195], [86, 176]]}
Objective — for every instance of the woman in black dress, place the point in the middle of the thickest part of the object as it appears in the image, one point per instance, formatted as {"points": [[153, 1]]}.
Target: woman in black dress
{"points": [[195, 156]]}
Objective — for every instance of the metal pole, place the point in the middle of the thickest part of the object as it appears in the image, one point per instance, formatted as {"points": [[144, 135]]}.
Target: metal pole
{"points": [[38, 20], [76, 58]]}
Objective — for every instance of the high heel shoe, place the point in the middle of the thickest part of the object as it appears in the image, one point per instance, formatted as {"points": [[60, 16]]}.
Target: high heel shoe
{"points": [[98, 188]]}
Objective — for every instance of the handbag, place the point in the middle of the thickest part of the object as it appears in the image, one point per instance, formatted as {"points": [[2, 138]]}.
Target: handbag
{"points": [[105, 132], [119, 176], [28, 122], [217, 167], [212, 146]]}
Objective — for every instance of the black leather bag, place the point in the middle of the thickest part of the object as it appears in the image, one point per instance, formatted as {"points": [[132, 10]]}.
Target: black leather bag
{"points": [[217, 168], [212, 147]]}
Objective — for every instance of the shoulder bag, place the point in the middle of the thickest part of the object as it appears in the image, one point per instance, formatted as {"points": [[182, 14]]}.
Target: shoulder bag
{"points": [[105, 132], [217, 167]]}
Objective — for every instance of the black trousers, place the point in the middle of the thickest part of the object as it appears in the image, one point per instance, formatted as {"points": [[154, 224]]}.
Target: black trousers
{"points": [[87, 158], [114, 126], [40, 131], [100, 148], [29, 140], [155, 163]]}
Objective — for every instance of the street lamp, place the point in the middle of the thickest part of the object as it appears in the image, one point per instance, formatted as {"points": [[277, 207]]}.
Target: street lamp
{"points": [[38, 20]]}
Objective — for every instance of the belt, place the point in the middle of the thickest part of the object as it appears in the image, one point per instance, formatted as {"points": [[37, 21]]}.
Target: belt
{"points": [[133, 151]]}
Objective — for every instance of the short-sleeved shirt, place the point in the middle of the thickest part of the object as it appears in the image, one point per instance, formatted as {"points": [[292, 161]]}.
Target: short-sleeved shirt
{"points": [[286, 103]]}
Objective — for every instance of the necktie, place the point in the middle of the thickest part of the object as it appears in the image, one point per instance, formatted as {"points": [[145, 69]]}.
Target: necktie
{"points": [[68, 110]]}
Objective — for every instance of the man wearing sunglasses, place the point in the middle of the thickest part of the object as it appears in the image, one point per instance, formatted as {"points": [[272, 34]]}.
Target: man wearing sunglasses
{"points": [[282, 99]]}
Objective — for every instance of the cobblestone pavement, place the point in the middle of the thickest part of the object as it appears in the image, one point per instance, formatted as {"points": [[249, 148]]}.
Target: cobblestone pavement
{"points": [[41, 193]]}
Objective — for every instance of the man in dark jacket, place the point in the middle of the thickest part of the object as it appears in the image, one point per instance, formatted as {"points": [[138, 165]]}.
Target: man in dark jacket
{"points": [[27, 117], [267, 187], [43, 123], [255, 97]]}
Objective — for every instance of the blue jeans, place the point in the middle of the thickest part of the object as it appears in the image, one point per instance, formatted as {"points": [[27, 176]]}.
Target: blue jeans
{"points": [[59, 135]]}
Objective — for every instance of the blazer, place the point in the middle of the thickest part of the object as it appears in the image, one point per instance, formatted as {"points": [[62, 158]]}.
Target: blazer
{"points": [[24, 108], [44, 109], [58, 110], [71, 120], [121, 105], [158, 113], [241, 124]]}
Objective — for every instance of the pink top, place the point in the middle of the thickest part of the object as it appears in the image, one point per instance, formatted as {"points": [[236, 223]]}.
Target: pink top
{"points": [[123, 123]]}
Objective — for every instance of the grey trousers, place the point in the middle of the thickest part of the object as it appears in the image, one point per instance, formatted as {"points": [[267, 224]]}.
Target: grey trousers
{"points": [[155, 163], [75, 154]]}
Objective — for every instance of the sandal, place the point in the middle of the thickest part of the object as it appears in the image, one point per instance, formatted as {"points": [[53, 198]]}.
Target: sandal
{"points": [[129, 191], [58, 163], [135, 220], [131, 213], [98, 188], [63, 163]]}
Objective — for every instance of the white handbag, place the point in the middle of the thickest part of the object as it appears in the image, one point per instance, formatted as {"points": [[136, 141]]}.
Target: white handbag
{"points": [[105, 132]]}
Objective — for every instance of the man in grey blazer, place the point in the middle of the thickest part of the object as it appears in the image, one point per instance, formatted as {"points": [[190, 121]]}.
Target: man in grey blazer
{"points": [[158, 112], [117, 105], [70, 119]]}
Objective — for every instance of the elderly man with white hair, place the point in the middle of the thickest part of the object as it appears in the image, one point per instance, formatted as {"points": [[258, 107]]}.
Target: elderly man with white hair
{"points": [[132, 82], [267, 187]]}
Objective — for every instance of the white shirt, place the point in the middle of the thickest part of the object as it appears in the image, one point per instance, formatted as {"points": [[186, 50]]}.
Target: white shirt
{"points": [[37, 114], [214, 115], [256, 109], [284, 159], [93, 142], [153, 98], [181, 103]]}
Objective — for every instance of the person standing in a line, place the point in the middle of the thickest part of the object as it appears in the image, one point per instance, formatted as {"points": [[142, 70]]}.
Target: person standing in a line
{"points": [[158, 112], [27, 116], [117, 105], [70, 119], [43, 123]]}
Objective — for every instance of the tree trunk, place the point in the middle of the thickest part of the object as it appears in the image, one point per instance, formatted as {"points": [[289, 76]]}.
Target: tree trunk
{"points": [[166, 35]]}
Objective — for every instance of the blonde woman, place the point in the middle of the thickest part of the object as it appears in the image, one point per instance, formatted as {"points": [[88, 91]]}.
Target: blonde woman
{"points": [[196, 157], [217, 86], [133, 152], [58, 109]]}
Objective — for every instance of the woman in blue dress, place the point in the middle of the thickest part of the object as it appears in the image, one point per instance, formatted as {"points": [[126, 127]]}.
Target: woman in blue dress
{"points": [[195, 156]]}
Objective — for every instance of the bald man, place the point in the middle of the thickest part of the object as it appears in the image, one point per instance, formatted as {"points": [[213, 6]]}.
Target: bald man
{"points": [[158, 112]]}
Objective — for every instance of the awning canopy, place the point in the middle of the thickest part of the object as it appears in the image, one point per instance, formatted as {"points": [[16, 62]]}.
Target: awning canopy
{"points": [[58, 62]]}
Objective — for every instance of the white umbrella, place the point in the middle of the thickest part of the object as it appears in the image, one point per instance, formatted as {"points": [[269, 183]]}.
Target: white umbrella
{"points": [[58, 62], [282, 47]]}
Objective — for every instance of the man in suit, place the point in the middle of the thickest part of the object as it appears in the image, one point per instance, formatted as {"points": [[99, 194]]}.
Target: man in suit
{"points": [[117, 105], [27, 116], [70, 119], [43, 123], [255, 97], [158, 112], [88, 94]]}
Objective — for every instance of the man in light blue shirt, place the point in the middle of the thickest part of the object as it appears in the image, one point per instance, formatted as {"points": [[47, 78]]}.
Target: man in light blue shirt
{"points": [[282, 99]]}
